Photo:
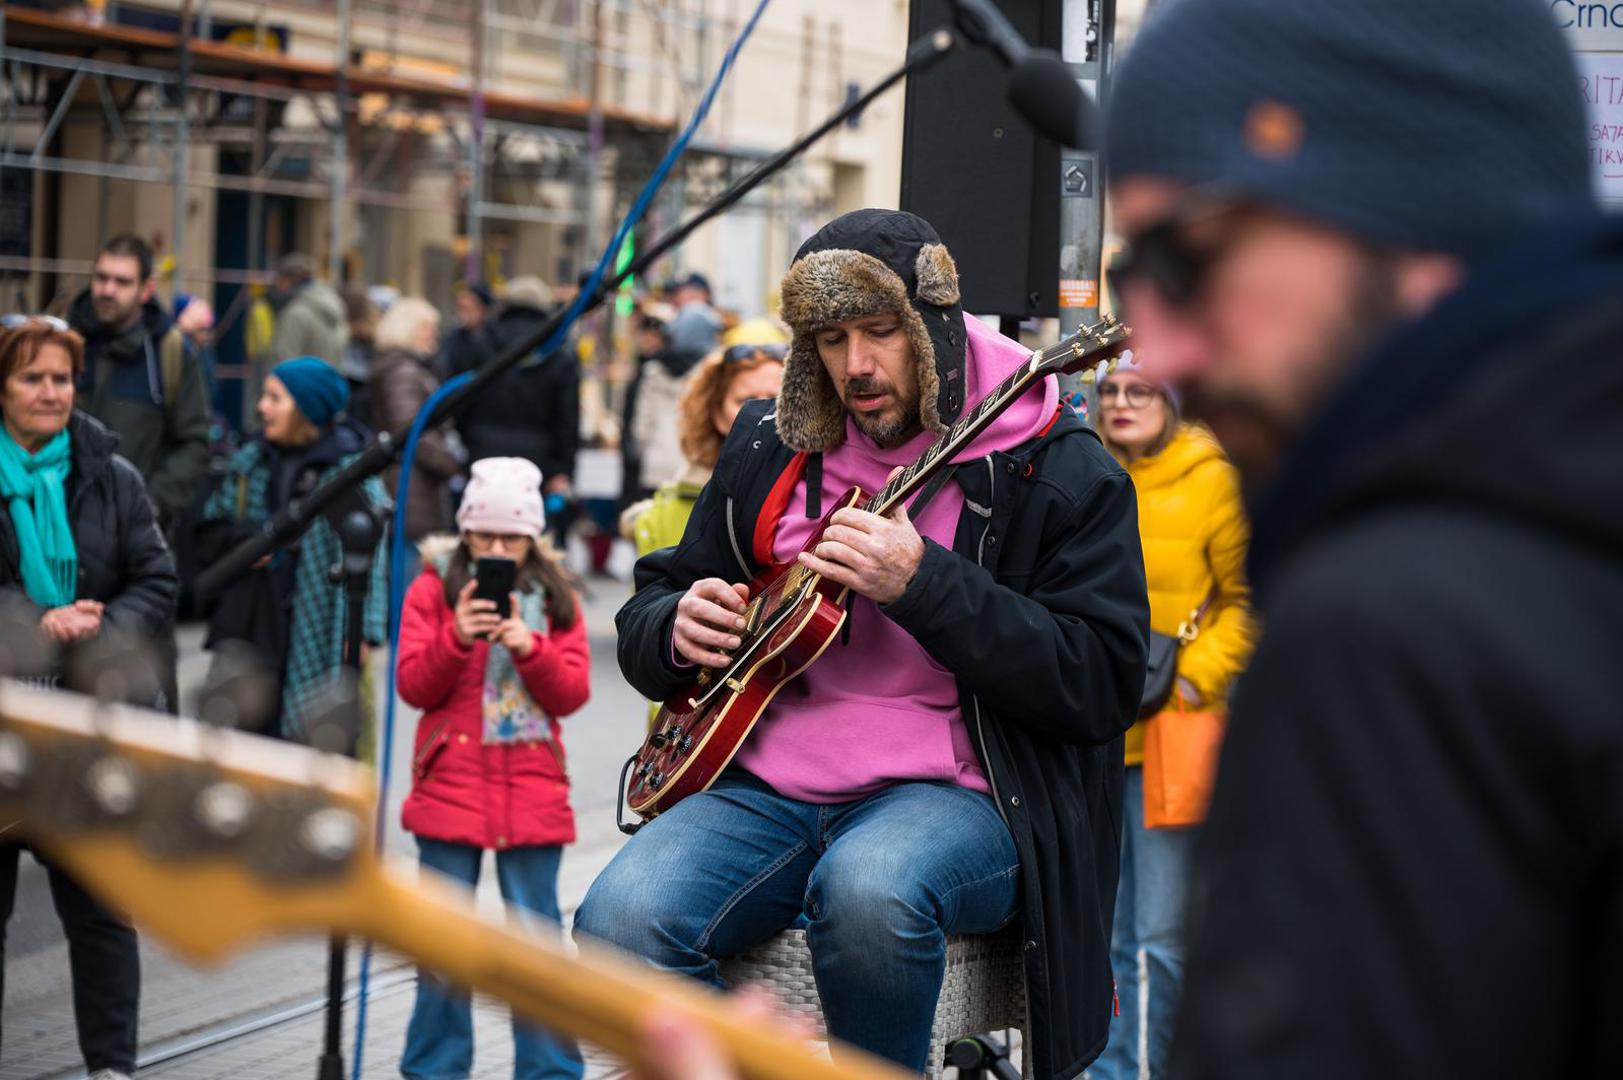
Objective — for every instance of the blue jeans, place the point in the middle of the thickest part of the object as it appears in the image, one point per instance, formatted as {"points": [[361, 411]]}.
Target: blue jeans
{"points": [[1151, 900], [880, 883], [439, 1039]]}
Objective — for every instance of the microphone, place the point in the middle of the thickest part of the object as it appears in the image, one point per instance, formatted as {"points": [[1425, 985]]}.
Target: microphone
{"points": [[1041, 88]]}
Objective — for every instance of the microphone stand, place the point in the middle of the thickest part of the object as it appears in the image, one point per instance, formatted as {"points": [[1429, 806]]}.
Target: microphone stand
{"points": [[291, 521], [359, 528]]}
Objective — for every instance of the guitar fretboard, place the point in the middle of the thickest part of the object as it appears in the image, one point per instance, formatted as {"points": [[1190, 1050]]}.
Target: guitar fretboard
{"points": [[959, 435], [1071, 354]]}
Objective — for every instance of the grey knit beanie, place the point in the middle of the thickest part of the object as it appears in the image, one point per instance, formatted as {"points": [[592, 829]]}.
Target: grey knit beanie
{"points": [[1436, 125]]}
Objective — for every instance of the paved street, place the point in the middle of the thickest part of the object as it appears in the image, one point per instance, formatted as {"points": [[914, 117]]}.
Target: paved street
{"points": [[280, 985]]}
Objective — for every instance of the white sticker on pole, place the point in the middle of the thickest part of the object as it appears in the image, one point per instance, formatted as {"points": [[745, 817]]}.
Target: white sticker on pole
{"points": [[1600, 78]]}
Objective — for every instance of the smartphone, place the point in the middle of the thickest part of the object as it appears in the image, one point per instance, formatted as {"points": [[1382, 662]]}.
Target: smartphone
{"points": [[495, 576]]}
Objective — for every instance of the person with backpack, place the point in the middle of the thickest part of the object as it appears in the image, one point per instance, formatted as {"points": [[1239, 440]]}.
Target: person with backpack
{"points": [[140, 380], [488, 770]]}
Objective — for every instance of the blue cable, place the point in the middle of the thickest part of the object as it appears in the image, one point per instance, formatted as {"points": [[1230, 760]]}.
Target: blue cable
{"points": [[408, 455]]}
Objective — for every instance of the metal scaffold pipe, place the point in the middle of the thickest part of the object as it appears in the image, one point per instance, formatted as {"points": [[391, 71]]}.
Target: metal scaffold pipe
{"points": [[340, 148]]}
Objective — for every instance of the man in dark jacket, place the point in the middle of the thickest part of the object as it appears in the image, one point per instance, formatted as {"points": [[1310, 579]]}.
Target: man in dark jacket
{"points": [[140, 379], [468, 343], [957, 765], [533, 410], [1413, 864]]}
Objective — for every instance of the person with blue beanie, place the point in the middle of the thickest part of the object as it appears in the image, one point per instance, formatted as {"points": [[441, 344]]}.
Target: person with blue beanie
{"points": [[1361, 238], [288, 609]]}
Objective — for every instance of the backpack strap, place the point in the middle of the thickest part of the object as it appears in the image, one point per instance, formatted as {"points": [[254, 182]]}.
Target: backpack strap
{"points": [[173, 355]]}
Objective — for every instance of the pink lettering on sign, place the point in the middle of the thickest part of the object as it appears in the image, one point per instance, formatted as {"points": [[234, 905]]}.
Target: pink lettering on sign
{"points": [[1600, 81]]}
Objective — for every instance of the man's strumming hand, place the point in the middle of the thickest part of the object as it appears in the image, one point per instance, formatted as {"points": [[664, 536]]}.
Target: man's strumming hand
{"points": [[872, 555]]}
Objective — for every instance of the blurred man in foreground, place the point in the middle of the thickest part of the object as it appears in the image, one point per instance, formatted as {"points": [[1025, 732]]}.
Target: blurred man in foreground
{"points": [[1362, 239]]}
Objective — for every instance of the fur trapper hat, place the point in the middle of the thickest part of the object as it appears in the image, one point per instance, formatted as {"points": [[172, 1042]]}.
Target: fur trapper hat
{"points": [[864, 263]]}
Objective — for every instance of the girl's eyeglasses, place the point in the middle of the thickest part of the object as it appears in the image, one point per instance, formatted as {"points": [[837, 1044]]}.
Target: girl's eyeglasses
{"points": [[505, 540]]}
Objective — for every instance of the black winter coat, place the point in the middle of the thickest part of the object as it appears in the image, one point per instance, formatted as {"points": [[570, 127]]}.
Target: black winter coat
{"points": [[123, 559], [163, 430], [1413, 864], [533, 410], [1040, 612]]}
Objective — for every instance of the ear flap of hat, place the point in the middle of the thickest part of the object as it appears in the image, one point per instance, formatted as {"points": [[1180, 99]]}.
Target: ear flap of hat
{"points": [[937, 276]]}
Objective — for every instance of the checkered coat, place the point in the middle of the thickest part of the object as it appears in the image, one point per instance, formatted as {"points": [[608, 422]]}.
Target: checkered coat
{"points": [[316, 637]]}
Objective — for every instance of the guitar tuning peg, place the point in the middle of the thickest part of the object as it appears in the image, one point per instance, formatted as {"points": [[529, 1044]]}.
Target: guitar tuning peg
{"points": [[331, 835], [224, 808]]}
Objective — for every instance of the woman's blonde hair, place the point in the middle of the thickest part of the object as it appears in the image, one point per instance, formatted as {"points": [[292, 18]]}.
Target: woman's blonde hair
{"points": [[400, 325], [706, 391]]}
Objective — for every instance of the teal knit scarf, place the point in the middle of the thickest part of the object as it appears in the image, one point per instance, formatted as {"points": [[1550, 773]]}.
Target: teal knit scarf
{"points": [[35, 488]]}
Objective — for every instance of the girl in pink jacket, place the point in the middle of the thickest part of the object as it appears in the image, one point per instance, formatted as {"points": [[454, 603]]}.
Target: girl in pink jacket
{"points": [[488, 769]]}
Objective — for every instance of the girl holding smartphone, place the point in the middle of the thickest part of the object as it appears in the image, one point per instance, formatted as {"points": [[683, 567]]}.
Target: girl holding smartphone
{"points": [[488, 767]]}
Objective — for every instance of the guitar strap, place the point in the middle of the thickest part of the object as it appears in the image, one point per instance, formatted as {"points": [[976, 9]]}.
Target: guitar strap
{"points": [[929, 491], [814, 485]]}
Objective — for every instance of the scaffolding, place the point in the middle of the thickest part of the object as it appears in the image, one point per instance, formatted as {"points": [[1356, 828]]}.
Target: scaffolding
{"points": [[357, 133]]}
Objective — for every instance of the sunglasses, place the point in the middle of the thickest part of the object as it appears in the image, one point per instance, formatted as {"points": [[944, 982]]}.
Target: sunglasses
{"points": [[739, 353], [18, 321], [1166, 258]]}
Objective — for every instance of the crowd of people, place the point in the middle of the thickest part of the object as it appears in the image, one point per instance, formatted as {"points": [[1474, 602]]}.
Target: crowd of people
{"points": [[1270, 707]]}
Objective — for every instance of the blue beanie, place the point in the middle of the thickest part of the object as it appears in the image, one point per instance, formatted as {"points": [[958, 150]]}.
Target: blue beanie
{"points": [[317, 388], [1432, 125]]}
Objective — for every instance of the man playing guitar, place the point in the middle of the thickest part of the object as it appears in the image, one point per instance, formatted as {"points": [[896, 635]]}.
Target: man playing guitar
{"points": [[952, 763]]}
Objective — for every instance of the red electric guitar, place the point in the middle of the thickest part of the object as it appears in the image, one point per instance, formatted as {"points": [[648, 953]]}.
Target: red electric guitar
{"points": [[794, 614]]}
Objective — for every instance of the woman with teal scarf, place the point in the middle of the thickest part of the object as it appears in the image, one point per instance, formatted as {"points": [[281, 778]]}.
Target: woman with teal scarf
{"points": [[80, 552]]}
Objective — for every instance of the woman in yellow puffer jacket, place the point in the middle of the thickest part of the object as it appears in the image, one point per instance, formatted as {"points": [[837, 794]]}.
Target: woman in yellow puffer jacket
{"points": [[1194, 533]]}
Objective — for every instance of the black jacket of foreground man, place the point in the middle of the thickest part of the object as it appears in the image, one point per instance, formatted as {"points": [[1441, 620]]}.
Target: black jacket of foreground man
{"points": [[1041, 614], [1414, 860]]}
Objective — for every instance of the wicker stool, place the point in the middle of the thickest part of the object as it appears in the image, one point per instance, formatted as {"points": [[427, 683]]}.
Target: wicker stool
{"points": [[983, 990]]}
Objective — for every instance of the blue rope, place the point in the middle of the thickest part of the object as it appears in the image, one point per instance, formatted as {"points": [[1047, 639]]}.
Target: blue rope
{"points": [[397, 543]]}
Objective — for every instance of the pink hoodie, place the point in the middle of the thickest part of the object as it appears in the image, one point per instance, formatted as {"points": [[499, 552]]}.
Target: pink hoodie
{"points": [[878, 710]]}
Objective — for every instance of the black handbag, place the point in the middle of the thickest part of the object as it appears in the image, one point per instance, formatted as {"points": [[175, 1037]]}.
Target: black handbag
{"points": [[1161, 673]]}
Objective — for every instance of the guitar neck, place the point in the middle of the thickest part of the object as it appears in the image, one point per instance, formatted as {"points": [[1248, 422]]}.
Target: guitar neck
{"points": [[902, 486], [601, 997], [604, 999]]}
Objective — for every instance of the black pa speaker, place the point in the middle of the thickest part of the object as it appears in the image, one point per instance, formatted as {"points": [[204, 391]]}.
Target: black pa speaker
{"points": [[973, 167]]}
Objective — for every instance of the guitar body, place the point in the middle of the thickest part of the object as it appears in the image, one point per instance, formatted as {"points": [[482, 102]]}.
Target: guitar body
{"points": [[793, 616]]}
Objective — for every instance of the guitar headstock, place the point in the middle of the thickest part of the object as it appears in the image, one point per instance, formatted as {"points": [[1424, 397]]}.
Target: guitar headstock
{"points": [[152, 813], [1083, 350]]}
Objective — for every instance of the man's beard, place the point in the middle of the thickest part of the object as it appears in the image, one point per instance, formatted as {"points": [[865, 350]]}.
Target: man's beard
{"points": [[1255, 431], [893, 427], [111, 316]]}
